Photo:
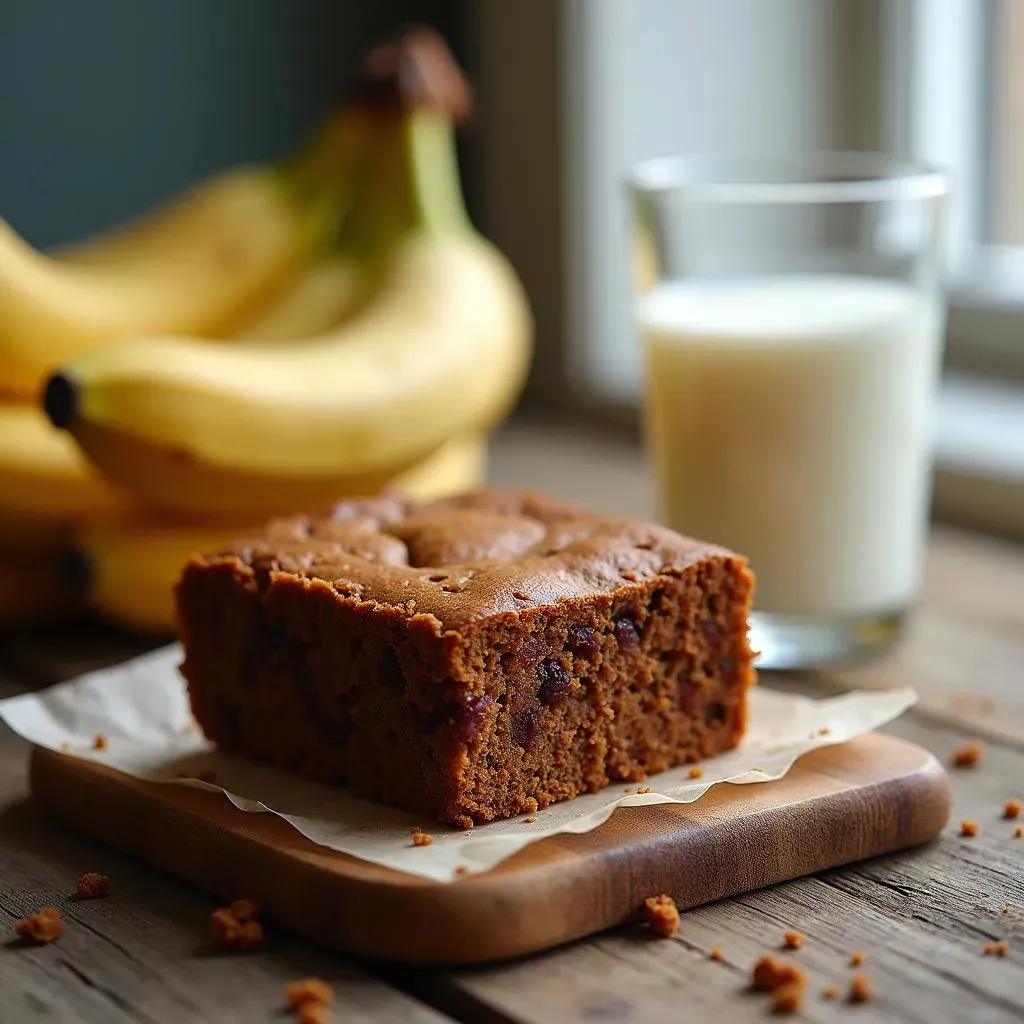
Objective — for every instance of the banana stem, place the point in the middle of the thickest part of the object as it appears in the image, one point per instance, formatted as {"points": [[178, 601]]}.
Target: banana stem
{"points": [[406, 182]]}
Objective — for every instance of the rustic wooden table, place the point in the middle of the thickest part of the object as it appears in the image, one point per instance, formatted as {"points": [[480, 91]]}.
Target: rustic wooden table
{"points": [[922, 917]]}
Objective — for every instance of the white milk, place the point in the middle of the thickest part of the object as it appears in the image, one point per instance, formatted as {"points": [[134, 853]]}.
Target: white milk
{"points": [[789, 419]]}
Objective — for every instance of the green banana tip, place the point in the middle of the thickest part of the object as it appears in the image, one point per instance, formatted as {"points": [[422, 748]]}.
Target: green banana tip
{"points": [[61, 400]]}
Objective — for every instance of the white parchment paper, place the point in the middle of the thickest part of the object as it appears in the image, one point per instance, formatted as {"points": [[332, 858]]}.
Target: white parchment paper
{"points": [[142, 710]]}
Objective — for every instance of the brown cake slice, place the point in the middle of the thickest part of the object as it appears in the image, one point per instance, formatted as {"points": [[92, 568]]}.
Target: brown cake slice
{"points": [[471, 658]]}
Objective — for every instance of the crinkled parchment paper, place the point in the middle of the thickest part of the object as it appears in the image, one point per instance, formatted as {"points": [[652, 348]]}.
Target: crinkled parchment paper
{"points": [[142, 710]]}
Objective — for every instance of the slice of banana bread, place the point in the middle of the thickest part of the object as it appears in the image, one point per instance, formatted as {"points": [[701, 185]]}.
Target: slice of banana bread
{"points": [[471, 658]]}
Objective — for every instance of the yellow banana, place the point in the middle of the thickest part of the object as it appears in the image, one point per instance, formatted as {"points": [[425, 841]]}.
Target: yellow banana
{"points": [[45, 481], [437, 348], [128, 566], [199, 266], [125, 567], [320, 298]]}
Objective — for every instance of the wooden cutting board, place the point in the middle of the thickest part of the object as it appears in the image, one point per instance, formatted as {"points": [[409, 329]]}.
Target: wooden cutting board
{"points": [[839, 804]]}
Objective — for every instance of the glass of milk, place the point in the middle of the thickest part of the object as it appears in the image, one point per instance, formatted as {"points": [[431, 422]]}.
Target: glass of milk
{"points": [[792, 315]]}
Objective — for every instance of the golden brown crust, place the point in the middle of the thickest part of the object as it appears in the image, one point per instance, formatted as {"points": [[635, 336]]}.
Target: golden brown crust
{"points": [[465, 558]]}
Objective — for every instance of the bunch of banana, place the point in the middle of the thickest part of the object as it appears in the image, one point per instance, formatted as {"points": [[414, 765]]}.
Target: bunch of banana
{"points": [[273, 340], [433, 346]]}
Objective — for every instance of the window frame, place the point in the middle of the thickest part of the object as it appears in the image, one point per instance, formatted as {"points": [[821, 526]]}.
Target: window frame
{"points": [[935, 58]]}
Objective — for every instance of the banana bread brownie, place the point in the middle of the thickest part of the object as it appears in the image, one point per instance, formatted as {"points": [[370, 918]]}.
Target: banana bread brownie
{"points": [[470, 658]]}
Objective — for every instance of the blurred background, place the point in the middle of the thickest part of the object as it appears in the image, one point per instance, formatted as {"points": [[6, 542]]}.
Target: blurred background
{"points": [[107, 108]]}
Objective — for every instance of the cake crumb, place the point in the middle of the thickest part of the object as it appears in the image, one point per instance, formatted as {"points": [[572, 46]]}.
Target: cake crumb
{"points": [[92, 885], [308, 991], [459, 869], [831, 992], [788, 998], [641, 790], [717, 953], [969, 828], [661, 914], [99, 742], [996, 949], [824, 731], [969, 755], [769, 974], [43, 926], [696, 773], [231, 932], [794, 940], [861, 990], [421, 838], [1019, 832], [1007, 909], [1012, 809], [858, 959], [530, 820]]}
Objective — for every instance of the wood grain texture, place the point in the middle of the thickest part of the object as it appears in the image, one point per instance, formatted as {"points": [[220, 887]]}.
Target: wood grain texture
{"points": [[839, 804], [922, 917]]}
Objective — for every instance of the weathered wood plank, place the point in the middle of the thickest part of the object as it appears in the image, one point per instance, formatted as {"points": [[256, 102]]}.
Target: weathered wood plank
{"points": [[923, 918], [143, 954]]}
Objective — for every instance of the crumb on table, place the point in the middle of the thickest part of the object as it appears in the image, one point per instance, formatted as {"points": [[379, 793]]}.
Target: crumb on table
{"points": [[308, 991], [99, 741], [43, 926], [696, 773], [420, 838], [831, 992], [92, 885], [231, 932], [661, 914], [1012, 809], [1007, 909], [824, 731], [788, 998], [530, 820], [643, 789], [858, 959], [861, 990], [769, 973], [1019, 832], [969, 828], [717, 953], [794, 939], [996, 949], [969, 755]]}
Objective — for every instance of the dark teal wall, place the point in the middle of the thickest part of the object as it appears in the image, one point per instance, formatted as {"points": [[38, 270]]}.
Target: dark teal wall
{"points": [[106, 106]]}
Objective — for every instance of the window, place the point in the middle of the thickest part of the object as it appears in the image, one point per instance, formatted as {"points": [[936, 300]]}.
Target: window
{"points": [[954, 95]]}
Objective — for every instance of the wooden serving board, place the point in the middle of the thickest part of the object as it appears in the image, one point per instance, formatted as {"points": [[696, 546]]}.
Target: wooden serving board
{"points": [[839, 804]]}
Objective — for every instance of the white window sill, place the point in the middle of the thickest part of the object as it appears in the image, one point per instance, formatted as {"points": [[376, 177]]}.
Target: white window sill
{"points": [[979, 474]]}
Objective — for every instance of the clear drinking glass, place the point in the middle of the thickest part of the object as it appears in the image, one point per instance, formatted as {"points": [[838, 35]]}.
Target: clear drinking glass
{"points": [[792, 314]]}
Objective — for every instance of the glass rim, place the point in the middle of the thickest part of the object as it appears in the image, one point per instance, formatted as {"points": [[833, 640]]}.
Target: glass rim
{"points": [[861, 176]]}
